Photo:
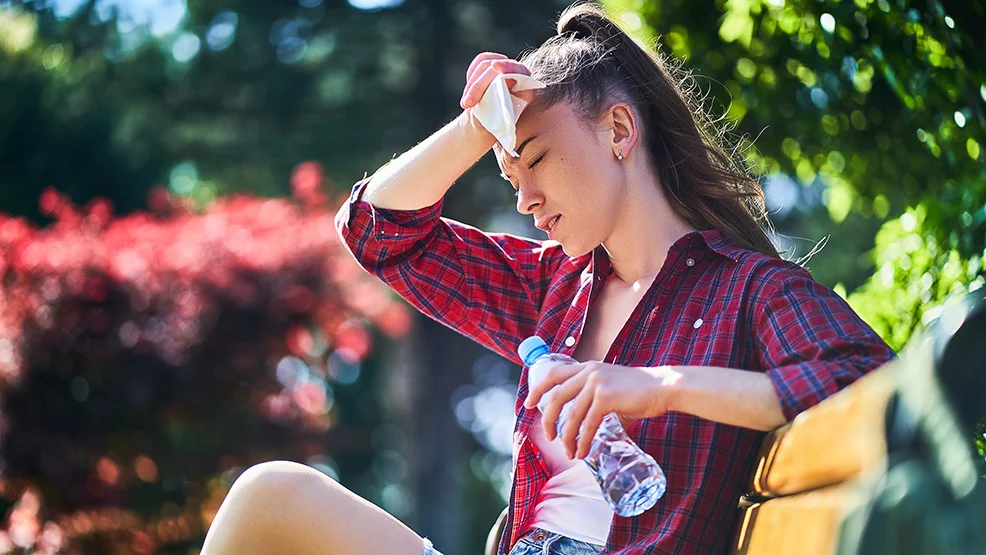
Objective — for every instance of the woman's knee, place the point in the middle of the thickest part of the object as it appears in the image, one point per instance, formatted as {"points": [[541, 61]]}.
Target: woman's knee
{"points": [[286, 507], [278, 482]]}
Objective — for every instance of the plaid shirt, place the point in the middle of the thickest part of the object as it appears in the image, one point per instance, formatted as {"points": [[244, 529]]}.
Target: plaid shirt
{"points": [[714, 303]]}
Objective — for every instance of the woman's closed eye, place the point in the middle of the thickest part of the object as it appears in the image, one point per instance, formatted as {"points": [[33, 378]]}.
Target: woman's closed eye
{"points": [[530, 166], [536, 161]]}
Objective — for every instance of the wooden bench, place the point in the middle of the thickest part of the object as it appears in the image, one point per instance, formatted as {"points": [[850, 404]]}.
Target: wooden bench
{"points": [[817, 476]]}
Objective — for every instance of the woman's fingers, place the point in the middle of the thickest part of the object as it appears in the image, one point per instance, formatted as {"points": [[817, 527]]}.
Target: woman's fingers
{"points": [[482, 72], [552, 377], [511, 66], [590, 425], [562, 393], [549, 417], [479, 59], [475, 89], [480, 68], [570, 433]]}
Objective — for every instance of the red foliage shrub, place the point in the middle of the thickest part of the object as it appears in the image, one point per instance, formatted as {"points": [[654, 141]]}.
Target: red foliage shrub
{"points": [[142, 356]]}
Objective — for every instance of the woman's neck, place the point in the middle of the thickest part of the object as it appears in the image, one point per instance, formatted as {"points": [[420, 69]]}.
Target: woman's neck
{"points": [[644, 231]]}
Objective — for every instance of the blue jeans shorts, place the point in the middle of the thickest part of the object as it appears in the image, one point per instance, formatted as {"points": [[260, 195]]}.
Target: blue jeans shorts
{"points": [[541, 542]]}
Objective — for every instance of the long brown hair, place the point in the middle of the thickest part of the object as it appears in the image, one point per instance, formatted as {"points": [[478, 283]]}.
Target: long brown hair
{"points": [[592, 63]]}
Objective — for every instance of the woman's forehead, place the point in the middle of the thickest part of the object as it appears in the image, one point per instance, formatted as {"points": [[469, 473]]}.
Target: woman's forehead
{"points": [[537, 119], [544, 124]]}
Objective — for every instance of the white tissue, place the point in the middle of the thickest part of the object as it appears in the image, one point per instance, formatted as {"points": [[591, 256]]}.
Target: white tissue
{"points": [[499, 110]]}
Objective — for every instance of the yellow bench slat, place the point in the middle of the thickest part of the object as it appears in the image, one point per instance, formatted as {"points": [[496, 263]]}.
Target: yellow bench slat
{"points": [[806, 523], [830, 443]]}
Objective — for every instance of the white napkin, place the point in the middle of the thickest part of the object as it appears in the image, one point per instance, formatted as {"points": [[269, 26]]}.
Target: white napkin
{"points": [[499, 110]]}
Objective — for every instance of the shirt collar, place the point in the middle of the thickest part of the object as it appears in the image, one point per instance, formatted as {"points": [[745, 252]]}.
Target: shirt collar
{"points": [[721, 244], [711, 239]]}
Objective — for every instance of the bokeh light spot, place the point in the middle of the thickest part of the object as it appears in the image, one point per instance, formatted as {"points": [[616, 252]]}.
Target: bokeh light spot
{"points": [[145, 469], [186, 47], [827, 22], [374, 4], [221, 31]]}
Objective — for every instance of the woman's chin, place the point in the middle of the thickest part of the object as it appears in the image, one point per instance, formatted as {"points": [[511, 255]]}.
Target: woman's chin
{"points": [[575, 250]]}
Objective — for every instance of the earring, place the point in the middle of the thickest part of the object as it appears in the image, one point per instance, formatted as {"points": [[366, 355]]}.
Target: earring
{"points": [[619, 156]]}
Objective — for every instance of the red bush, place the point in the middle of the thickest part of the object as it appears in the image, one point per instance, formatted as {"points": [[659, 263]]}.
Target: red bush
{"points": [[141, 356]]}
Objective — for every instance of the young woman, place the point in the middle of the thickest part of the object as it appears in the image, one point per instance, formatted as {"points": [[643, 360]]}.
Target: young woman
{"points": [[657, 274]]}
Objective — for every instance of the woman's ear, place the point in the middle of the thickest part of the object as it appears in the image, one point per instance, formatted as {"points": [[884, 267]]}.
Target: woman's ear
{"points": [[623, 131]]}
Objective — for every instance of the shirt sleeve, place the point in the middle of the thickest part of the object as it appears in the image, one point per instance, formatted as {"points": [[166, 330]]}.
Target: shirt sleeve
{"points": [[812, 344], [489, 287]]}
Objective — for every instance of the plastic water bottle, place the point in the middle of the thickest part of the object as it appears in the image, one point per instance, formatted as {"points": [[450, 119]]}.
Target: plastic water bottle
{"points": [[630, 479]]}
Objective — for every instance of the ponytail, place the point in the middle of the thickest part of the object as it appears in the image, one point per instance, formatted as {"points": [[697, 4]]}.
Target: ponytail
{"points": [[593, 63]]}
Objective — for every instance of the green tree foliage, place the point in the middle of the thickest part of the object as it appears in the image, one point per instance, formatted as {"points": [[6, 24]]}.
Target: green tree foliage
{"points": [[99, 105], [61, 121]]}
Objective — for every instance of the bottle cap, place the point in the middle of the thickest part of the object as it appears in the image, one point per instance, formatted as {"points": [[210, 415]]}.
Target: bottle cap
{"points": [[532, 348]]}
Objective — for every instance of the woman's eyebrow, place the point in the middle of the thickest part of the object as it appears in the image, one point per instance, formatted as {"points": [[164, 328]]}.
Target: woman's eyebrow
{"points": [[510, 159], [520, 149]]}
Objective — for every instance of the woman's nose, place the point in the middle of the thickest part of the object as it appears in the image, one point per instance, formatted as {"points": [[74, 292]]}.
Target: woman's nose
{"points": [[527, 202]]}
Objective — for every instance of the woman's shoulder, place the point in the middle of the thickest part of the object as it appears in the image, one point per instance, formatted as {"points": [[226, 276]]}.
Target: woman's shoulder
{"points": [[745, 262]]}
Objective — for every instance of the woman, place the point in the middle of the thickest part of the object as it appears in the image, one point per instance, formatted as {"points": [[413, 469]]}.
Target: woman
{"points": [[657, 274]]}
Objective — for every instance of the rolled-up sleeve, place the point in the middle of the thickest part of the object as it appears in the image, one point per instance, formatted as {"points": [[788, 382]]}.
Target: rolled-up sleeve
{"points": [[372, 233], [812, 343], [489, 287]]}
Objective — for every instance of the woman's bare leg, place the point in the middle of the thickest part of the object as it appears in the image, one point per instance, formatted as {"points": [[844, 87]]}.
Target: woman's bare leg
{"points": [[284, 507]]}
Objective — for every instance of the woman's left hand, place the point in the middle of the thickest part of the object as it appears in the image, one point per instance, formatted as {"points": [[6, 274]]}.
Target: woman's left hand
{"points": [[598, 389]]}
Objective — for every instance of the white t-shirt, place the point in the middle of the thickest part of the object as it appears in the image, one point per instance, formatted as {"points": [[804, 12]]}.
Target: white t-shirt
{"points": [[570, 503]]}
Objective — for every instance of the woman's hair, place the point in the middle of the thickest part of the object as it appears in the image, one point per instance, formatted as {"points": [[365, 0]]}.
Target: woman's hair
{"points": [[592, 63]]}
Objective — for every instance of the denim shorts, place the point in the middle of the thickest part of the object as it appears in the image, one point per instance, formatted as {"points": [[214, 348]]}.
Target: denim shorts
{"points": [[541, 542]]}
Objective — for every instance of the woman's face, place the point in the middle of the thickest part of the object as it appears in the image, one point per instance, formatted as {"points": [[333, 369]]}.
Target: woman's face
{"points": [[567, 176]]}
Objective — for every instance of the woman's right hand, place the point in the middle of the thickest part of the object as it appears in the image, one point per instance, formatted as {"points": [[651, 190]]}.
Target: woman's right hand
{"points": [[483, 69]]}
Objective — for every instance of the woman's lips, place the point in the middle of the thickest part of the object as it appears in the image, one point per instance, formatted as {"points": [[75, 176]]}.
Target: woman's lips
{"points": [[553, 227]]}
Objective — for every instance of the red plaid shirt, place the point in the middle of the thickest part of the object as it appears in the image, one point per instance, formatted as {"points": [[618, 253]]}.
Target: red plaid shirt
{"points": [[714, 303]]}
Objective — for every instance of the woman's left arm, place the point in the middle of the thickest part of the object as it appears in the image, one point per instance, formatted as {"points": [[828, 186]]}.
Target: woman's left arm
{"points": [[809, 345], [726, 395]]}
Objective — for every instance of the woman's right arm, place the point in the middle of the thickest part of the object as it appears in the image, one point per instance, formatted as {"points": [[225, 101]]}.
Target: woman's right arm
{"points": [[421, 176], [488, 287]]}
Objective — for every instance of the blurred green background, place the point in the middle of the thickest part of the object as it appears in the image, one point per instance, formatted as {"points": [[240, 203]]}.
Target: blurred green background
{"points": [[175, 305]]}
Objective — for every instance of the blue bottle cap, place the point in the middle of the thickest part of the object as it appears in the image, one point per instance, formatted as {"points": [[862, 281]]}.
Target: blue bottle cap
{"points": [[531, 349]]}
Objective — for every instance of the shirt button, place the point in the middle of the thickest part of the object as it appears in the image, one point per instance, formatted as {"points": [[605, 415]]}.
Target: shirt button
{"points": [[569, 341], [690, 262], [698, 323]]}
